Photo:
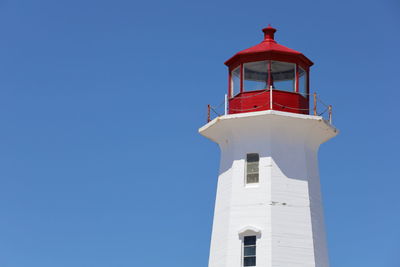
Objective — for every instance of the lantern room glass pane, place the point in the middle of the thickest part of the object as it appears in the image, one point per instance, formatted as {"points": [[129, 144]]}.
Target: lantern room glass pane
{"points": [[235, 81], [283, 76], [302, 82], [255, 75]]}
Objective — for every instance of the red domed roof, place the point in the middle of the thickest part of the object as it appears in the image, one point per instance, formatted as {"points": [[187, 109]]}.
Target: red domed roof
{"points": [[269, 49]]}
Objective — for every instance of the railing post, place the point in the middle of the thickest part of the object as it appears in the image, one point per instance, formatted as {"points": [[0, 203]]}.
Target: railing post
{"points": [[330, 114], [208, 113], [226, 104], [315, 104], [271, 107]]}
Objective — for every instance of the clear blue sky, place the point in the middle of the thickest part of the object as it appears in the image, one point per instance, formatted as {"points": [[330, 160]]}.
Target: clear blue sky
{"points": [[100, 101]]}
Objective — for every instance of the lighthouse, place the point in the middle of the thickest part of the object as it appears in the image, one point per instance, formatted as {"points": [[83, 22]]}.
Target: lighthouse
{"points": [[268, 209]]}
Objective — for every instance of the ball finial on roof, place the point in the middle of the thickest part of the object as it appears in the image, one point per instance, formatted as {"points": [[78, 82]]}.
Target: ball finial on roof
{"points": [[269, 33]]}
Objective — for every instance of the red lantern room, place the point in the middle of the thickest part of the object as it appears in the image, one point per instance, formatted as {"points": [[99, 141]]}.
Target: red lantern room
{"points": [[268, 76]]}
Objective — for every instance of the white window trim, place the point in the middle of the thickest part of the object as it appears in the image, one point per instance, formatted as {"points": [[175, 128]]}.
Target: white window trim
{"points": [[249, 230]]}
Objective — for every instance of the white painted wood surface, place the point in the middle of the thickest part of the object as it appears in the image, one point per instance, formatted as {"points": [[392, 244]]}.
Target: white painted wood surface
{"points": [[284, 209]]}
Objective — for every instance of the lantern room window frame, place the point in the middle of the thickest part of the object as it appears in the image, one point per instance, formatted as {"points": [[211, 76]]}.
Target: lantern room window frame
{"points": [[297, 87]]}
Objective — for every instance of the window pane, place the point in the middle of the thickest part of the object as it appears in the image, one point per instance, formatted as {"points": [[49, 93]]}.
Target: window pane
{"points": [[252, 178], [283, 75], [249, 261], [250, 251], [249, 240], [235, 76], [302, 82], [255, 75], [252, 157], [252, 167]]}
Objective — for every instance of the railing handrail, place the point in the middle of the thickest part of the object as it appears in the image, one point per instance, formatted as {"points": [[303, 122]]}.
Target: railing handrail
{"points": [[271, 104]]}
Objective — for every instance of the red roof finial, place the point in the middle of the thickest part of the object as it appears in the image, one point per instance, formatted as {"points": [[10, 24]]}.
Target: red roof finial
{"points": [[269, 34]]}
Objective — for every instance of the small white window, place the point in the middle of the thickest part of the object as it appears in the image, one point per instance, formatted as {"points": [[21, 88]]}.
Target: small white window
{"points": [[249, 250], [252, 162]]}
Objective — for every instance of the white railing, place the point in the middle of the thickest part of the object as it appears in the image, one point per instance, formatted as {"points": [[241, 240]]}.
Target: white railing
{"points": [[326, 113]]}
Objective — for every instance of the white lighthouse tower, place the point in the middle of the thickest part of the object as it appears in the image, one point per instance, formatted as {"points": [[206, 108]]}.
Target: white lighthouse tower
{"points": [[268, 209]]}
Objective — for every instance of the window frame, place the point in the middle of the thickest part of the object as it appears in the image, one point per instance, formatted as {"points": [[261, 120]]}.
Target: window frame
{"points": [[247, 183], [267, 77], [231, 83], [293, 81], [244, 246], [306, 91]]}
